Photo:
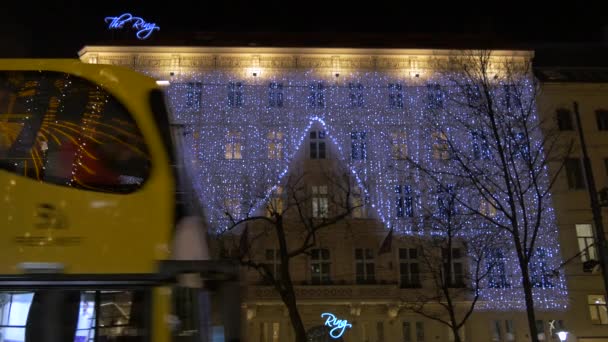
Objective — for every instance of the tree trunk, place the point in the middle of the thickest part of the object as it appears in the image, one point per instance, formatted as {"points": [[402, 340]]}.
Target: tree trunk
{"points": [[455, 332], [286, 289], [527, 285]]}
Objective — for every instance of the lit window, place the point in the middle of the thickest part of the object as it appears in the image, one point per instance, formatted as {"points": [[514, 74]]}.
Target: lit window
{"points": [[358, 201], [319, 201], [441, 147], [233, 145], [584, 235], [365, 266], [399, 145], [275, 205], [487, 207], [597, 309], [275, 145]]}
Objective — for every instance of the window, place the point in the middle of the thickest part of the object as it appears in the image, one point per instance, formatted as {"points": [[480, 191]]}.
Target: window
{"points": [[512, 96], [358, 201], [319, 201], [497, 275], [574, 174], [364, 265], [275, 145], [584, 235], [434, 96], [232, 205], [487, 207], [320, 264], [275, 203], [441, 147], [399, 145], [404, 201], [316, 97], [395, 95], [235, 94], [233, 145], [122, 314], [380, 331], [564, 119], [269, 331], [358, 145], [355, 94], [446, 202], [409, 270], [540, 274], [597, 309], [520, 146], [413, 332], [272, 260], [481, 146], [317, 144], [194, 94], [503, 331], [275, 95], [63, 130], [454, 270], [473, 94], [601, 115]]}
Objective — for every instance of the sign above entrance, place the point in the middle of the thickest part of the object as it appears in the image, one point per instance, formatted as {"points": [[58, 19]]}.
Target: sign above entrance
{"points": [[144, 29], [338, 326]]}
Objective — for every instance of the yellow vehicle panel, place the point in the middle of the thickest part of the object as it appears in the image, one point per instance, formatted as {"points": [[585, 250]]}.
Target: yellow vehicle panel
{"points": [[81, 231]]}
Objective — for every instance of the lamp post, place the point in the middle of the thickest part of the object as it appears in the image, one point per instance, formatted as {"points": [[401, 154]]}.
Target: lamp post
{"points": [[563, 335], [595, 204]]}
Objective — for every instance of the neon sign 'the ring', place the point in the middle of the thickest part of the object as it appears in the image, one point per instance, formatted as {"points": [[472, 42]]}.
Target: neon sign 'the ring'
{"points": [[338, 326], [144, 29]]}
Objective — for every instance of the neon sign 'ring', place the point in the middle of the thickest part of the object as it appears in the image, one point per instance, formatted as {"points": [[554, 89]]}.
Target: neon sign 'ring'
{"points": [[144, 29]]}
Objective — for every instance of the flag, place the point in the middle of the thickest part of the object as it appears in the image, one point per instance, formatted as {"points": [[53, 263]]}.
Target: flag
{"points": [[244, 242], [386, 244]]}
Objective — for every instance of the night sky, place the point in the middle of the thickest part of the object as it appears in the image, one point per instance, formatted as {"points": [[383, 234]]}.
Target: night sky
{"points": [[60, 29]]}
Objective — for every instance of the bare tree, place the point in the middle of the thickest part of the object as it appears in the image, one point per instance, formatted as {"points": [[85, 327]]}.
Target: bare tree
{"points": [[460, 256], [484, 113], [294, 217]]}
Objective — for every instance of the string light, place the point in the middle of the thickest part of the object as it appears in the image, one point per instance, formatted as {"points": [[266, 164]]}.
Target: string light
{"points": [[227, 154]]}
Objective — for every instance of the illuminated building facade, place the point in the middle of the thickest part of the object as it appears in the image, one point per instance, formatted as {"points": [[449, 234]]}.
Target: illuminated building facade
{"points": [[255, 114]]}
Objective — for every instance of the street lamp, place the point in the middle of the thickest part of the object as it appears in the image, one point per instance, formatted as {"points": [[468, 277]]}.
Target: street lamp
{"points": [[563, 335]]}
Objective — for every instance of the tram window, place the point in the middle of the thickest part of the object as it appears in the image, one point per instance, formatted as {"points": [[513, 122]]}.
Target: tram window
{"points": [[61, 129], [32, 316]]}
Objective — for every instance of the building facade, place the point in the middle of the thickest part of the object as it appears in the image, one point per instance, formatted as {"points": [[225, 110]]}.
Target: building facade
{"points": [[255, 115]]}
